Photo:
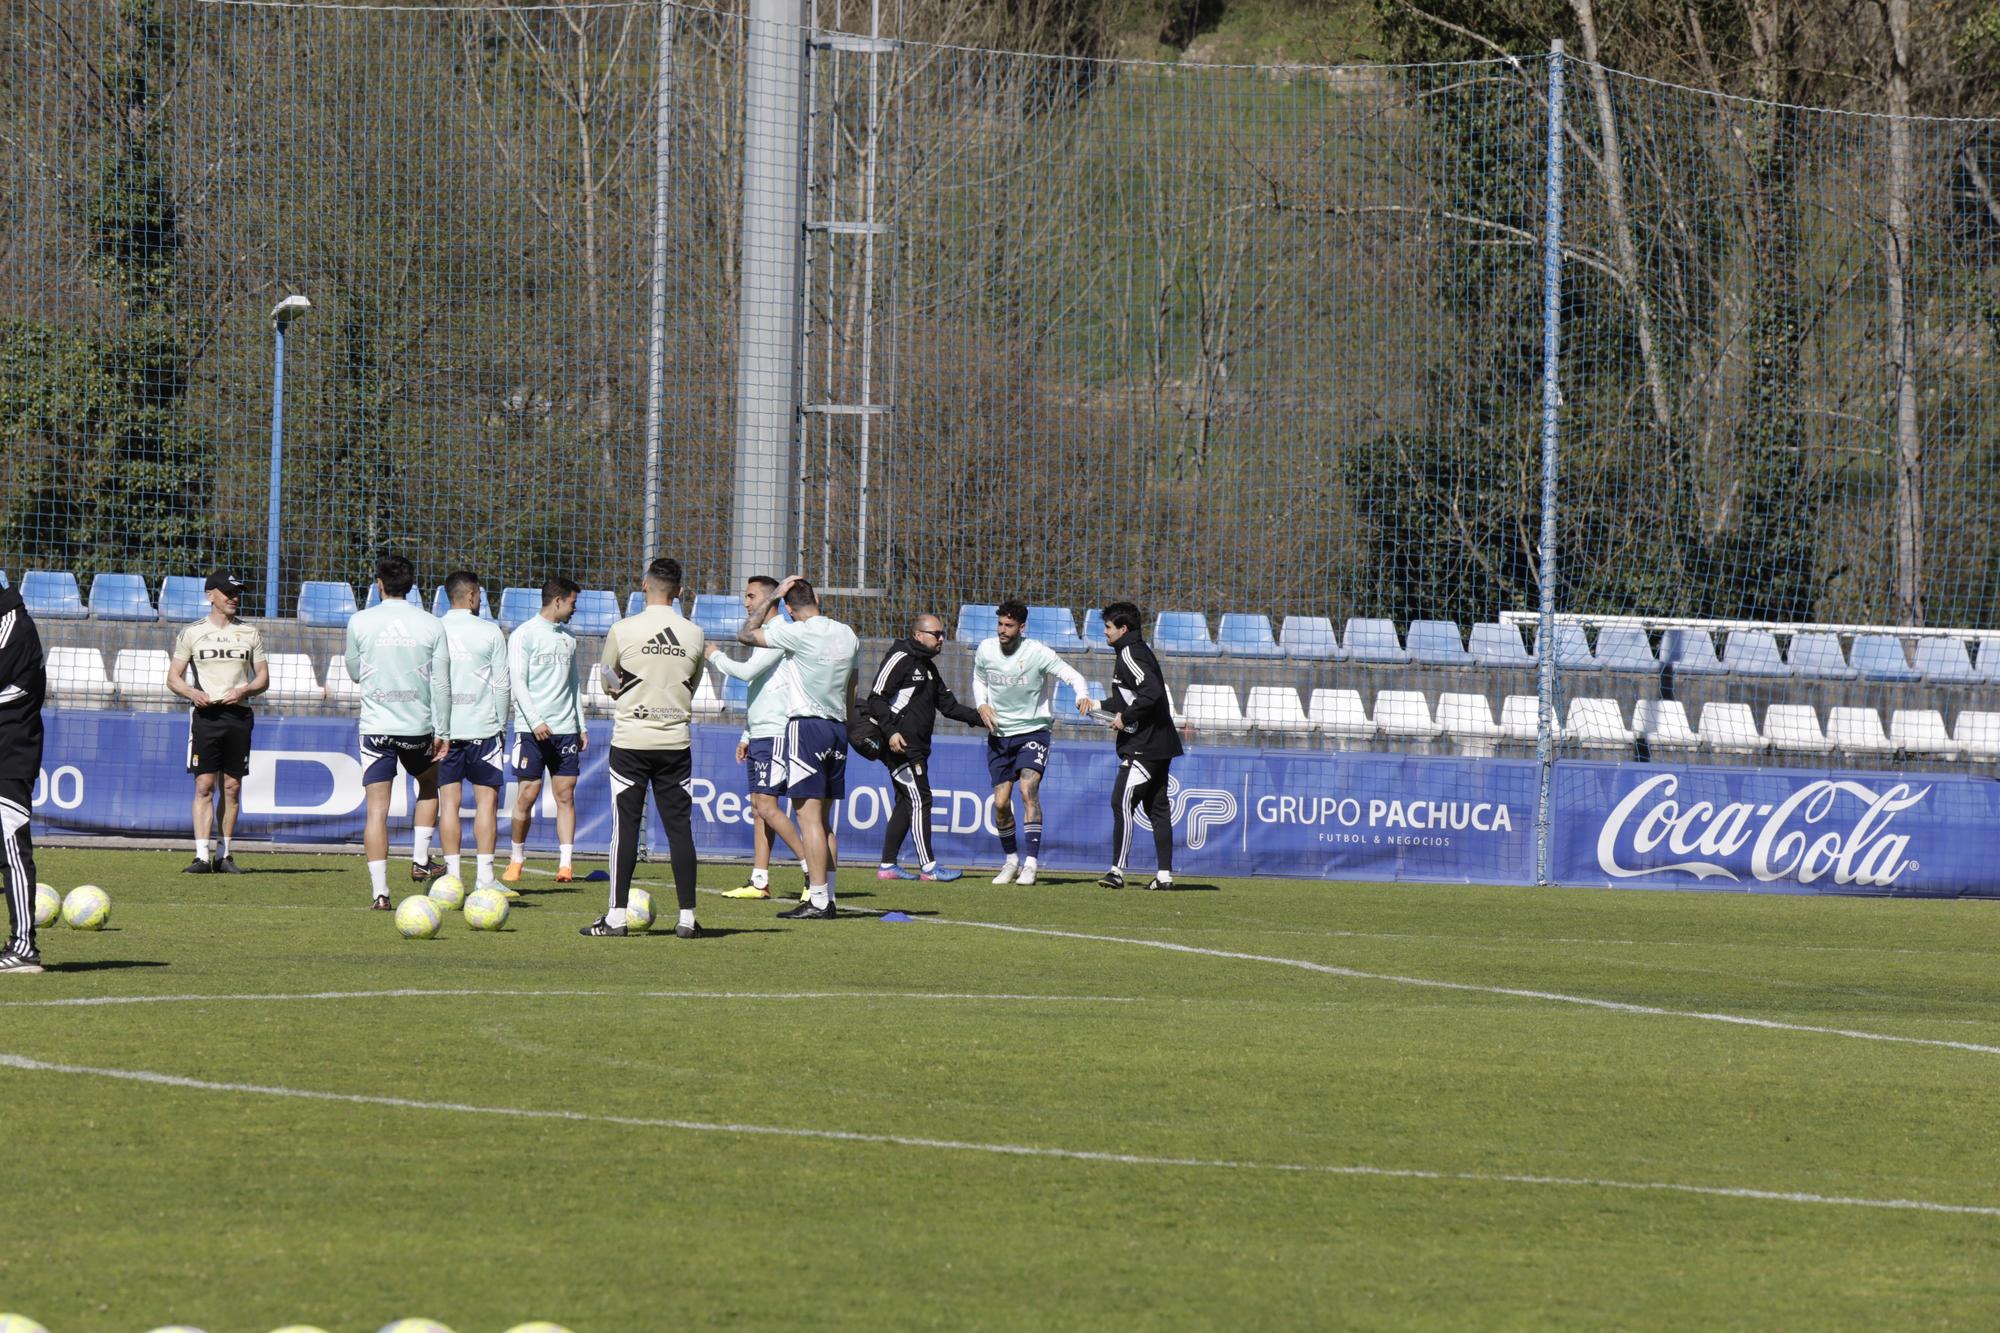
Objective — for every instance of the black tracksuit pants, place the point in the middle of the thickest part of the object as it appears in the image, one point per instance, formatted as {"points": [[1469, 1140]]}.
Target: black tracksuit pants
{"points": [[911, 815], [1142, 787], [668, 773], [17, 864]]}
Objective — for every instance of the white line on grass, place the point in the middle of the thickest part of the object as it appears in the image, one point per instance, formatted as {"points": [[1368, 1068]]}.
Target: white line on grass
{"points": [[28, 1065], [82, 1002]]}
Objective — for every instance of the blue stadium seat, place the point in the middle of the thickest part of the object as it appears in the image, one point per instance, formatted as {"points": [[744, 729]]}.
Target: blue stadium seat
{"points": [[637, 602], [413, 597], [182, 597], [1310, 639], [120, 597], [1987, 661], [1185, 634], [1243, 635], [52, 595], [1818, 655], [1880, 657], [1573, 649], [325, 604], [1092, 633], [1063, 704], [1753, 652], [1436, 643], [975, 623], [1626, 649], [1373, 641], [718, 615], [518, 606], [1690, 652], [735, 693], [1945, 662], [596, 611], [1494, 644], [1055, 626], [441, 603], [3, 579]]}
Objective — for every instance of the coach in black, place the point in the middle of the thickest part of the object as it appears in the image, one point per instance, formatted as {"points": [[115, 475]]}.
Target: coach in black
{"points": [[23, 683], [1148, 743], [904, 702]]}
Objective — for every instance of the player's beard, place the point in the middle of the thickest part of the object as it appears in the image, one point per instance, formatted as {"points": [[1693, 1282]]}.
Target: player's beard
{"points": [[1008, 647]]}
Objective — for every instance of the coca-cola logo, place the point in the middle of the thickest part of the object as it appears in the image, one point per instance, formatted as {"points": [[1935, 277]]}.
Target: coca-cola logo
{"points": [[1840, 830]]}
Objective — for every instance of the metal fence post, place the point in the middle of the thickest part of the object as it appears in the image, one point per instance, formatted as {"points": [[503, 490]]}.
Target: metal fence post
{"points": [[1545, 645], [656, 344]]}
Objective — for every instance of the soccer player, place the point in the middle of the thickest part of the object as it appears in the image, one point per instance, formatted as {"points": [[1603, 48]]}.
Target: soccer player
{"points": [[651, 662], [23, 684], [479, 699], [549, 735], [1013, 679], [904, 701], [762, 726], [398, 655], [816, 679], [1148, 743], [218, 663]]}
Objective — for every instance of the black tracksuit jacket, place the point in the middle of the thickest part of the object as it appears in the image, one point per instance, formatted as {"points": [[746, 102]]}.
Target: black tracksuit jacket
{"points": [[1139, 694], [23, 683], [906, 698]]}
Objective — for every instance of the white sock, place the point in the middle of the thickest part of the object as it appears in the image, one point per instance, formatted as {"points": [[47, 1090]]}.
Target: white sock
{"points": [[378, 878], [1164, 876], [615, 917], [225, 848], [520, 852], [201, 849], [452, 865], [485, 868], [420, 845], [1015, 860], [888, 865], [761, 878], [822, 895], [563, 851], [930, 867], [687, 916], [1029, 863]]}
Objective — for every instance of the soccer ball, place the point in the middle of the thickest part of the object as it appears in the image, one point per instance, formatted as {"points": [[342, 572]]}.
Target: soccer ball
{"points": [[19, 1323], [418, 918], [414, 1326], [448, 893], [48, 905], [486, 909], [87, 907], [639, 910], [541, 1325]]}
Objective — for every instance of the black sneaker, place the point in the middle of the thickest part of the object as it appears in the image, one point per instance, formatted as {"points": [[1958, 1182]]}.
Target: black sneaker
{"points": [[197, 867], [226, 866], [1164, 885], [691, 931], [24, 963], [381, 904], [601, 927], [805, 911], [428, 871], [1111, 879]]}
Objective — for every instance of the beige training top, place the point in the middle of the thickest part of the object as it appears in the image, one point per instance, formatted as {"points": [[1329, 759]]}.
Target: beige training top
{"points": [[663, 650], [219, 657]]}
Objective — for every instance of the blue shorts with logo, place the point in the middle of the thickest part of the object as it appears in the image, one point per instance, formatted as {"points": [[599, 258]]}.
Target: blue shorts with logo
{"points": [[1007, 757], [765, 778], [811, 759], [381, 754], [477, 762], [560, 756]]}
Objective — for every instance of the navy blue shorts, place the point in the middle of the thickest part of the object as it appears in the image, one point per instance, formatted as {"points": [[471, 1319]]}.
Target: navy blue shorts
{"points": [[1008, 757], [477, 762], [560, 756], [765, 779], [381, 754], [811, 758]]}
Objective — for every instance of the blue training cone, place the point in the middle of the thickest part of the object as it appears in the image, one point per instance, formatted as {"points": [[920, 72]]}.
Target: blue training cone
{"points": [[895, 916]]}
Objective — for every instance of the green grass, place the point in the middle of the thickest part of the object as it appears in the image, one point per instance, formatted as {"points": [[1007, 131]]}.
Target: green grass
{"points": [[135, 1204]]}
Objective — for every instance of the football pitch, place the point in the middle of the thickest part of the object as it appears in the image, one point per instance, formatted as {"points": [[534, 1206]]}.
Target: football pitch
{"points": [[1248, 1104]]}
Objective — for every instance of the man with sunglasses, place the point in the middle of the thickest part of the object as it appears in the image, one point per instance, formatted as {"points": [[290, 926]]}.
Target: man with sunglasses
{"points": [[904, 702]]}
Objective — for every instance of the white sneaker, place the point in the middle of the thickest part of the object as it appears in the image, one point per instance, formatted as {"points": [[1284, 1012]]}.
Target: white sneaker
{"points": [[1008, 869], [1027, 875]]}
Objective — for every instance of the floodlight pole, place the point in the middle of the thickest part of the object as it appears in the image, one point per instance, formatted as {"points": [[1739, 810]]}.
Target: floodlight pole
{"points": [[286, 311], [1545, 639]]}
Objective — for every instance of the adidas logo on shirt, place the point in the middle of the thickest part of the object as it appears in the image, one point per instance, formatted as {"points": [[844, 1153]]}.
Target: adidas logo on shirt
{"points": [[663, 644]]}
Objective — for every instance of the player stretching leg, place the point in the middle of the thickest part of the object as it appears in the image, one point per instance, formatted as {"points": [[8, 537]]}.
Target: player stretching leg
{"points": [[1013, 679]]}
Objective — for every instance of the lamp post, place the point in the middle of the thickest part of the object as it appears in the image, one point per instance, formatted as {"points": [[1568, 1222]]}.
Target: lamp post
{"points": [[286, 311]]}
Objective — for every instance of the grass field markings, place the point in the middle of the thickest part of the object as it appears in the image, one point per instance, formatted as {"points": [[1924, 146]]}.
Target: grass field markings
{"points": [[90, 1001], [26, 1064], [1473, 988]]}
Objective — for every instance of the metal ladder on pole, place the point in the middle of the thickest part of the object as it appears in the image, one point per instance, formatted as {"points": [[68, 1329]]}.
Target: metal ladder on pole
{"points": [[845, 412]]}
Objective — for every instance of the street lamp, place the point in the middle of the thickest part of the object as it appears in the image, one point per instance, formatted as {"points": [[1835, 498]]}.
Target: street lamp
{"points": [[282, 315]]}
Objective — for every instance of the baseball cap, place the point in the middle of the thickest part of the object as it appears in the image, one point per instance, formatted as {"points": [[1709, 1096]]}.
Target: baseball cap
{"points": [[224, 581]]}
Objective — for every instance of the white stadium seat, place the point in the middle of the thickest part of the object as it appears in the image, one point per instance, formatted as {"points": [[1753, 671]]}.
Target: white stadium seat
{"points": [[1520, 719], [1794, 728], [595, 700], [1664, 724], [1598, 724], [1213, 708], [1977, 733], [1728, 728], [293, 680], [1468, 720], [1857, 731], [141, 677], [706, 702], [76, 676], [1405, 715], [1339, 713], [340, 687], [1920, 731], [1276, 709]]}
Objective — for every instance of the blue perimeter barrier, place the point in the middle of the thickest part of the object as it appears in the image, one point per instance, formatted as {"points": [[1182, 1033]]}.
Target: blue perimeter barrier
{"points": [[1309, 815]]}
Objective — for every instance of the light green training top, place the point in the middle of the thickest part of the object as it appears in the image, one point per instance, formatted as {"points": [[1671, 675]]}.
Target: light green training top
{"points": [[478, 675], [820, 653], [401, 661], [1019, 686], [541, 670], [767, 716]]}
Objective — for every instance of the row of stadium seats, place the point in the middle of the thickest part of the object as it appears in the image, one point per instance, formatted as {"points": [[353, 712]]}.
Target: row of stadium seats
{"points": [[138, 679]]}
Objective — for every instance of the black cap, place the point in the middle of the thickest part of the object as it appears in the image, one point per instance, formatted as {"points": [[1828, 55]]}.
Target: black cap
{"points": [[224, 581]]}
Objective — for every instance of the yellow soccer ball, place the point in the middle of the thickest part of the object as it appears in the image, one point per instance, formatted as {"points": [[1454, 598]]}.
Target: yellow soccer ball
{"points": [[638, 910], [19, 1323], [48, 905], [418, 918], [86, 908], [448, 893], [486, 909]]}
